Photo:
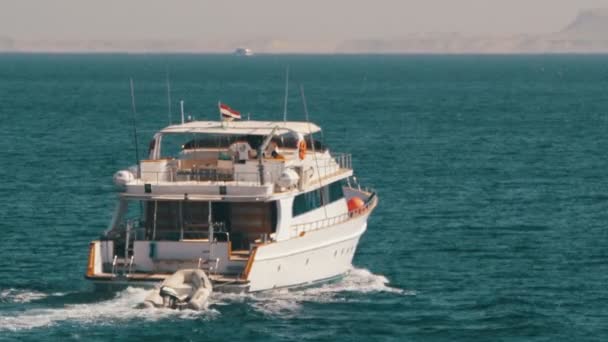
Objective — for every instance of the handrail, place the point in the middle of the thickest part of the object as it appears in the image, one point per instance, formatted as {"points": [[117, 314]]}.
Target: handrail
{"points": [[300, 228], [114, 265], [137, 231], [202, 176], [325, 168], [216, 174]]}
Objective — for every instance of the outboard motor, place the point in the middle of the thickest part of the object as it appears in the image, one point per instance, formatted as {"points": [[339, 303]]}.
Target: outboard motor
{"points": [[184, 289], [171, 299]]}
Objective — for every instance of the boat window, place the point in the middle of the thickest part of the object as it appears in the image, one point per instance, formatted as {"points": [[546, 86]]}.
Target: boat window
{"points": [[161, 220], [290, 140], [287, 140], [319, 146], [312, 200], [174, 145], [242, 223], [221, 141], [306, 202], [334, 191]]}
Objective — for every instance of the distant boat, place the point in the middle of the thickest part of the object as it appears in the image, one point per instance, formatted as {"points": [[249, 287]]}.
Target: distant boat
{"points": [[243, 52]]}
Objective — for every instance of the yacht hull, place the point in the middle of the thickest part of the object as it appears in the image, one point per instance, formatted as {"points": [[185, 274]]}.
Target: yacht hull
{"points": [[312, 258]]}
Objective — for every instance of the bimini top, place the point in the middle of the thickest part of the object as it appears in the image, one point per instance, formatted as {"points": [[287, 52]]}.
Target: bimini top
{"points": [[243, 127]]}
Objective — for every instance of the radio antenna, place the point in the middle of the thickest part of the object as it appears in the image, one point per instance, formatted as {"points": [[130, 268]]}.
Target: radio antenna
{"points": [[181, 106], [134, 123], [286, 94], [312, 141], [168, 93]]}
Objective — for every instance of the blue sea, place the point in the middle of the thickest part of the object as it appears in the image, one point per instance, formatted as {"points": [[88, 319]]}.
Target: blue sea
{"points": [[491, 173]]}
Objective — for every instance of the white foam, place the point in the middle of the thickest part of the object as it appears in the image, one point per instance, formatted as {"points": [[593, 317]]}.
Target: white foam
{"points": [[364, 281], [289, 302], [23, 296], [123, 306]]}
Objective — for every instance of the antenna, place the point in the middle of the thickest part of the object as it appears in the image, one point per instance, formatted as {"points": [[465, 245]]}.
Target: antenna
{"points": [[134, 123], [312, 141], [219, 107], [168, 93], [181, 106], [286, 94], [305, 108]]}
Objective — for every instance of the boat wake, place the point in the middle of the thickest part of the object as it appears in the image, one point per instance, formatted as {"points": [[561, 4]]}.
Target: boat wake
{"points": [[124, 306], [23, 296], [289, 301]]}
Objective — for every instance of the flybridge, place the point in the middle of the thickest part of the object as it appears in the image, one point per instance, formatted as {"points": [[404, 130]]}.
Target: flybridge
{"points": [[250, 160]]}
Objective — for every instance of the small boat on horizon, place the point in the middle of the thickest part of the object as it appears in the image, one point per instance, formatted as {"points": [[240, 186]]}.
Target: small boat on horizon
{"points": [[244, 52]]}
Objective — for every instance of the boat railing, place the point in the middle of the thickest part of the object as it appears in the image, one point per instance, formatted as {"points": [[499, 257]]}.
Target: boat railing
{"points": [[205, 176], [134, 230], [329, 167], [344, 160], [301, 228]]}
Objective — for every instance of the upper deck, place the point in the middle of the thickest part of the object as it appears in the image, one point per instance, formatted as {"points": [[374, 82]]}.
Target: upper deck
{"points": [[242, 160]]}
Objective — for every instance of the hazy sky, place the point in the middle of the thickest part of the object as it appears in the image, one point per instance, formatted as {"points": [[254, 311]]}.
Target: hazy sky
{"points": [[310, 19]]}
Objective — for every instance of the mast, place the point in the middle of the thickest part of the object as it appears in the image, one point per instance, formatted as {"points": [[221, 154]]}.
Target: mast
{"points": [[181, 105], [286, 94], [312, 142], [134, 124], [168, 94]]}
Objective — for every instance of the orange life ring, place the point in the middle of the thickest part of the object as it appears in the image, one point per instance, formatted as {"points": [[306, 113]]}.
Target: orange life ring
{"points": [[302, 149]]}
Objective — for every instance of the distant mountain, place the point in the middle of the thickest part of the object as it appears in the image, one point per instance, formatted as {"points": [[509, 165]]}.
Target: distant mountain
{"points": [[588, 24], [588, 33]]}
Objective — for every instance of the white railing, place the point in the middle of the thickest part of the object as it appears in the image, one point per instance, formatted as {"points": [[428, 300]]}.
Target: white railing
{"points": [[133, 230], [205, 176], [298, 229], [344, 160], [327, 167]]}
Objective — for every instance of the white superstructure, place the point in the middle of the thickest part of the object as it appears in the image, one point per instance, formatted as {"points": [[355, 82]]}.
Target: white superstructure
{"points": [[256, 204]]}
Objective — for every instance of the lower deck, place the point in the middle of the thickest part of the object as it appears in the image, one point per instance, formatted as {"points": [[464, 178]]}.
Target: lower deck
{"points": [[312, 252]]}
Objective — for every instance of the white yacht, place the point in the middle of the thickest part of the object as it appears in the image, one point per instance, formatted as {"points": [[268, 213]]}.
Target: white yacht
{"points": [[256, 205]]}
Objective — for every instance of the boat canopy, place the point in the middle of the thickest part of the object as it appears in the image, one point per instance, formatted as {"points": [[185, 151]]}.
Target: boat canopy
{"points": [[262, 128]]}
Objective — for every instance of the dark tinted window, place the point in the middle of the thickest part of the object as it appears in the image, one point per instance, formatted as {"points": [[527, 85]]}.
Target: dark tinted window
{"points": [[312, 200], [221, 141], [306, 202], [335, 191]]}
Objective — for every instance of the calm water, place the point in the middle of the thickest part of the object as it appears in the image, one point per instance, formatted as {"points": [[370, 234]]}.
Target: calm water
{"points": [[491, 173]]}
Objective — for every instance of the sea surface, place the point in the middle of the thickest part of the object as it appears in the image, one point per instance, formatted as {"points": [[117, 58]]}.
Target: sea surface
{"points": [[492, 175]]}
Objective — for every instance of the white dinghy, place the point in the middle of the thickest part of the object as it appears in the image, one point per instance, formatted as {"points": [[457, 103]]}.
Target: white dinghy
{"points": [[184, 289]]}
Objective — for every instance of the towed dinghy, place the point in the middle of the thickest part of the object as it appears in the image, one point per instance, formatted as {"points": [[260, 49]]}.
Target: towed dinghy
{"points": [[184, 289]]}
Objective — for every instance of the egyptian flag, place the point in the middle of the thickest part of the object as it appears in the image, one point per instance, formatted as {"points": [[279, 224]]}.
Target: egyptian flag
{"points": [[228, 113]]}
